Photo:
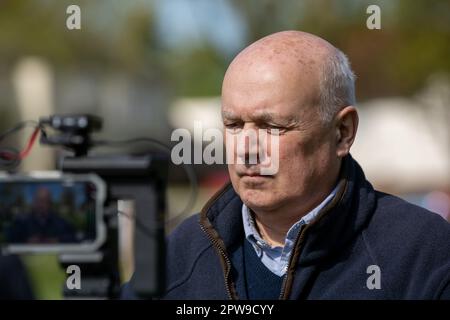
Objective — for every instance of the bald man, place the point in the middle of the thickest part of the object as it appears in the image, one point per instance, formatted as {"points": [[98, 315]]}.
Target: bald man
{"points": [[316, 228]]}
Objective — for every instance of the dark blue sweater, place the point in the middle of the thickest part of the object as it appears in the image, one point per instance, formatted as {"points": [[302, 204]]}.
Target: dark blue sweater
{"points": [[260, 282], [333, 256]]}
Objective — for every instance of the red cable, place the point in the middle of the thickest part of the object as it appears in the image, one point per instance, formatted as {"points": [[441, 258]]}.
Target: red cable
{"points": [[30, 144], [22, 154]]}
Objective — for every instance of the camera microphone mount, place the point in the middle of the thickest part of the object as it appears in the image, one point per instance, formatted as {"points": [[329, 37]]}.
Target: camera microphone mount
{"points": [[75, 131]]}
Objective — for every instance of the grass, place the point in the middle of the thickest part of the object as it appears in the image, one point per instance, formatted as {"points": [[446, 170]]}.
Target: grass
{"points": [[46, 275]]}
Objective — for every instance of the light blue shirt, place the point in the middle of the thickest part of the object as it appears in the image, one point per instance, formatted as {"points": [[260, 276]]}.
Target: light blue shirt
{"points": [[276, 259]]}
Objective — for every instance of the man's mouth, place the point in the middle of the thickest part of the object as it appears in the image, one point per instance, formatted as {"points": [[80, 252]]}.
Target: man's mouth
{"points": [[248, 172], [252, 174]]}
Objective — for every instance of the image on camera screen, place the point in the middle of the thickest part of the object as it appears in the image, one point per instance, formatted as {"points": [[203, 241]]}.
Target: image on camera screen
{"points": [[59, 212]]}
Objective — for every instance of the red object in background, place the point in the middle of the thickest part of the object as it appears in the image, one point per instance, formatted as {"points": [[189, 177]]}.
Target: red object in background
{"points": [[24, 153], [215, 180]]}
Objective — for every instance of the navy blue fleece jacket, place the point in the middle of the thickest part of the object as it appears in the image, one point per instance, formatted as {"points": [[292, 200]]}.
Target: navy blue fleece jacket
{"points": [[361, 234]]}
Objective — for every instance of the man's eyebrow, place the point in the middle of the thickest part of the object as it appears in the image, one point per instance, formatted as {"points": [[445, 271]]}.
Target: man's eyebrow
{"points": [[270, 117], [266, 117], [229, 115]]}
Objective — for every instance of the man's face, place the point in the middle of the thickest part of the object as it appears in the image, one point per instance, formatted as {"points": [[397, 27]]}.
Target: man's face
{"points": [[42, 201], [273, 96]]}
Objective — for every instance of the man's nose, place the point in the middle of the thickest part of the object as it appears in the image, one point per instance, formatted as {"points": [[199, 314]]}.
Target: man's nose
{"points": [[247, 149]]}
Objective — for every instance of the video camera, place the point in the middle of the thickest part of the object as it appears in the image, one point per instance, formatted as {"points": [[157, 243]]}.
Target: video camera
{"points": [[74, 212]]}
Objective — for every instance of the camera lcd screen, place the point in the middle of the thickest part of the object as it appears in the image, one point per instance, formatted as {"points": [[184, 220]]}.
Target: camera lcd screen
{"points": [[59, 214]]}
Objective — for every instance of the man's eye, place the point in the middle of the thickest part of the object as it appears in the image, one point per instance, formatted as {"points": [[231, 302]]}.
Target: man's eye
{"points": [[233, 126], [272, 129]]}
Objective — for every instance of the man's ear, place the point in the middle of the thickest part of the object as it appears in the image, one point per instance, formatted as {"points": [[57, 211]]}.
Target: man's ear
{"points": [[346, 127]]}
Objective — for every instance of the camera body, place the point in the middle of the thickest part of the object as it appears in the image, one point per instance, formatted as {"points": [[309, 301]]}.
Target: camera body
{"points": [[91, 187]]}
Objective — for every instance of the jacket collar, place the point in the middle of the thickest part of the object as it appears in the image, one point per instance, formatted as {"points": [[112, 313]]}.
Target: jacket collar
{"points": [[344, 217], [222, 215]]}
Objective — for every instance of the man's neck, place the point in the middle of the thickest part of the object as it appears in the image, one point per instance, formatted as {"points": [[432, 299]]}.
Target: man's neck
{"points": [[273, 226], [273, 233]]}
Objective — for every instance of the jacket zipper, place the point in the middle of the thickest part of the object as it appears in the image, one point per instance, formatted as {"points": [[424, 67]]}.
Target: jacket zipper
{"points": [[297, 244], [297, 247], [217, 246]]}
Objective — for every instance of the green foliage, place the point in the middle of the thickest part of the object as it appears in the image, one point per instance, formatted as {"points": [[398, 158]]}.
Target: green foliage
{"points": [[198, 72], [46, 276], [414, 41]]}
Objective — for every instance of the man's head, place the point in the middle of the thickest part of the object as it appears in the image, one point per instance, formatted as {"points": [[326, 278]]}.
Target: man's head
{"points": [[42, 201], [303, 86]]}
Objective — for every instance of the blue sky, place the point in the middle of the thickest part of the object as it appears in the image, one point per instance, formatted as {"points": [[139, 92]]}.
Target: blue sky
{"points": [[181, 22]]}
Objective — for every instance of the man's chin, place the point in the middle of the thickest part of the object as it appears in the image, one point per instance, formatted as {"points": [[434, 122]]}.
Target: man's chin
{"points": [[258, 199]]}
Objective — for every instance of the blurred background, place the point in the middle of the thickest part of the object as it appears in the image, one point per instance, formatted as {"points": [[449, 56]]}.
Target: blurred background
{"points": [[150, 66]]}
